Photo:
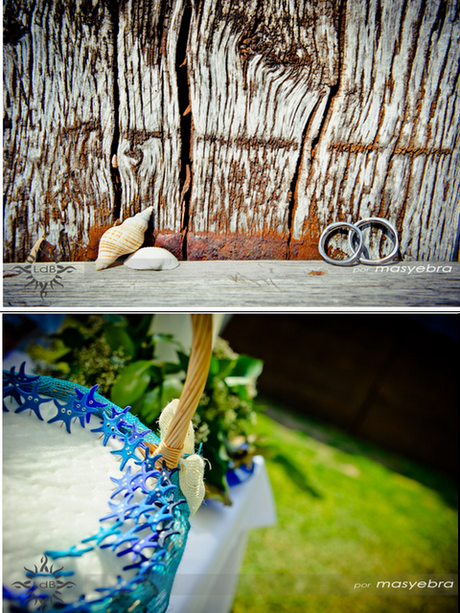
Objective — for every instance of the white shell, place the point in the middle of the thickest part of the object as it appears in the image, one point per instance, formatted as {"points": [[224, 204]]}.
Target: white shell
{"points": [[152, 258]]}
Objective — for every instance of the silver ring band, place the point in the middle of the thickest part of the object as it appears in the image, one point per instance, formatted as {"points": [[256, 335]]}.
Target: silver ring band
{"points": [[383, 222], [355, 258]]}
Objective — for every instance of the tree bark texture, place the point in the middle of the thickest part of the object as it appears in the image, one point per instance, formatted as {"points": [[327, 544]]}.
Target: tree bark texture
{"points": [[248, 125]]}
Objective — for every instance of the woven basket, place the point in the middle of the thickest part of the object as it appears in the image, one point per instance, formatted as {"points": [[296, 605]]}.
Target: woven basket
{"points": [[163, 507]]}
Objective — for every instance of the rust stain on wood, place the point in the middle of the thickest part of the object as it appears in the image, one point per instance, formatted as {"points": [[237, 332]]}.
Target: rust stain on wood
{"points": [[172, 241], [304, 249], [410, 151], [210, 246], [88, 252], [250, 142], [317, 273]]}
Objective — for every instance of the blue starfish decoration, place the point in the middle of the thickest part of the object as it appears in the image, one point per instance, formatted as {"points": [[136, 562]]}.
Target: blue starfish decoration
{"points": [[121, 510], [111, 425], [127, 484], [11, 391], [32, 401], [144, 564], [160, 492], [140, 479], [137, 435], [163, 490], [104, 533], [86, 403], [163, 514], [19, 378], [143, 508], [65, 414], [129, 536], [149, 461], [12, 382], [130, 442], [147, 542], [79, 407], [72, 552]]}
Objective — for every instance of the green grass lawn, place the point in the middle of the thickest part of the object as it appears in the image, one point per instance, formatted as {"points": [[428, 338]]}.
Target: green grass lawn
{"points": [[345, 508]]}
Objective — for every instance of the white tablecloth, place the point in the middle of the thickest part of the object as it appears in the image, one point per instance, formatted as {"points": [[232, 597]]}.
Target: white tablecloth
{"points": [[207, 576]]}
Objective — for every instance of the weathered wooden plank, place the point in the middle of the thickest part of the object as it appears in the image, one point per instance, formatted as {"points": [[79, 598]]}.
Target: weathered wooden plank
{"points": [[58, 124], [149, 148], [233, 285], [300, 114], [260, 74], [390, 142]]}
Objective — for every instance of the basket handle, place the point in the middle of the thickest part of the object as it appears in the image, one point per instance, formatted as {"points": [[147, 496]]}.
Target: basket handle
{"points": [[197, 373]]}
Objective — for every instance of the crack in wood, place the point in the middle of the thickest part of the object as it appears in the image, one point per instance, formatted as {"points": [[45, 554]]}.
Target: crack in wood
{"points": [[115, 173], [341, 24], [186, 123], [295, 178]]}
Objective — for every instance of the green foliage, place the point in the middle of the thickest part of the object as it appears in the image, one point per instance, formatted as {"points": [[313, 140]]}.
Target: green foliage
{"points": [[226, 411], [81, 353], [118, 353]]}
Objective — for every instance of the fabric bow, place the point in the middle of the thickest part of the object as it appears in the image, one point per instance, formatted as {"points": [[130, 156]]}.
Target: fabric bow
{"points": [[191, 465]]}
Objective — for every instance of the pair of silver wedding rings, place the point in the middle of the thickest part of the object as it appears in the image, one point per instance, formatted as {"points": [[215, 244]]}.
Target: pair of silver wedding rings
{"points": [[356, 242]]}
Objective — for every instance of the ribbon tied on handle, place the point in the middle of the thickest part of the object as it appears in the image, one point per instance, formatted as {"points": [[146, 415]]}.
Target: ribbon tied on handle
{"points": [[191, 465]]}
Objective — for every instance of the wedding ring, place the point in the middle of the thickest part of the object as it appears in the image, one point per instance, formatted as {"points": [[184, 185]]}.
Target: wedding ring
{"points": [[383, 222], [354, 231]]}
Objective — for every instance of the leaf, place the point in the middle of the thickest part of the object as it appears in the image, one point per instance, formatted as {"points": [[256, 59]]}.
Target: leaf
{"points": [[149, 407], [214, 366], [114, 318], [171, 388], [247, 367], [132, 383], [183, 360], [226, 367], [117, 337]]}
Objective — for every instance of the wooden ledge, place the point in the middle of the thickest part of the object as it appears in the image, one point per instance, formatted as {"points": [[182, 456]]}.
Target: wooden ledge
{"points": [[232, 284]]}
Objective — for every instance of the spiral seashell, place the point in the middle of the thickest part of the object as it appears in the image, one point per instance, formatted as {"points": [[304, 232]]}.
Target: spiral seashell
{"points": [[152, 258], [123, 239]]}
